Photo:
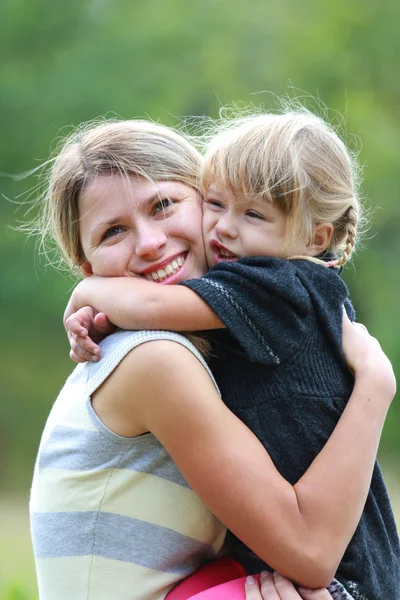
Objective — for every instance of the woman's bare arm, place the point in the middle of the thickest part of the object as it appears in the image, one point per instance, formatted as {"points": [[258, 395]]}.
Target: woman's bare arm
{"points": [[302, 531]]}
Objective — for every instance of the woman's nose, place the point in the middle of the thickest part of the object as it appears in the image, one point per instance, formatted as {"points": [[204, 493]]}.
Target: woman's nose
{"points": [[150, 242]]}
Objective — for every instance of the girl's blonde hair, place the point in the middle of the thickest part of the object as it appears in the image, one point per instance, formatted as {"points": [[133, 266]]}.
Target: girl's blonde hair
{"points": [[296, 161], [130, 148]]}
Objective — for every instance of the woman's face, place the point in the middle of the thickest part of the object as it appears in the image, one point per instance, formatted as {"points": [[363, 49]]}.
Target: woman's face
{"points": [[130, 226]]}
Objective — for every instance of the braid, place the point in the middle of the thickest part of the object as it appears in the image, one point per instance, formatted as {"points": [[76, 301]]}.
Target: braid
{"points": [[351, 230], [314, 259]]}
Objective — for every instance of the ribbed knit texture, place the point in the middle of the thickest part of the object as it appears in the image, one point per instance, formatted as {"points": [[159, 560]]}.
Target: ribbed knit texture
{"points": [[112, 518], [283, 373]]}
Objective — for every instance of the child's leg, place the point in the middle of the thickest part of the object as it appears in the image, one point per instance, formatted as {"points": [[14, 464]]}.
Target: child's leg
{"points": [[208, 576]]}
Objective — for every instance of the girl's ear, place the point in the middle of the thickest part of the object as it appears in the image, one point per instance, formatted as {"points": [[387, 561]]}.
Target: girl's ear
{"points": [[322, 238], [86, 268]]}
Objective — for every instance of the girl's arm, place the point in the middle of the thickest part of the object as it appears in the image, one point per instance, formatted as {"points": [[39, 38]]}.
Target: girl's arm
{"points": [[303, 530], [130, 303], [134, 303]]}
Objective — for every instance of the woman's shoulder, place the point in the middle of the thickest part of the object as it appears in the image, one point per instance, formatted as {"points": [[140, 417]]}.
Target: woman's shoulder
{"points": [[139, 369], [164, 346]]}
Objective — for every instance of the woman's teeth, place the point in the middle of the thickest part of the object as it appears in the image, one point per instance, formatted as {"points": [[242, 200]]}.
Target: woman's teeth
{"points": [[168, 270]]}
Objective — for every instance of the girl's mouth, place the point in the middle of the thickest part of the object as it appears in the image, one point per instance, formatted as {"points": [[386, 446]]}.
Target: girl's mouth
{"points": [[226, 254], [221, 253], [167, 270]]}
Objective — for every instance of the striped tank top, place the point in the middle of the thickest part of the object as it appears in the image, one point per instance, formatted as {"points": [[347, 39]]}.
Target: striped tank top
{"points": [[112, 518]]}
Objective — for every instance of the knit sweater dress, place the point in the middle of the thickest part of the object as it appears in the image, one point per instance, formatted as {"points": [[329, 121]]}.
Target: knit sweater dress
{"points": [[281, 369]]}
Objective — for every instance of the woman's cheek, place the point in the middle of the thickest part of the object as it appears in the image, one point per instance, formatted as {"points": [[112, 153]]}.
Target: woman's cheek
{"points": [[111, 262], [190, 225]]}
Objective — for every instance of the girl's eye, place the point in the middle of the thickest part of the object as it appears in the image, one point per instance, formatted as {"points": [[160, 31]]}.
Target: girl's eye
{"points": [[255, 215], [162, 205], [111, 232], [214, 203]]}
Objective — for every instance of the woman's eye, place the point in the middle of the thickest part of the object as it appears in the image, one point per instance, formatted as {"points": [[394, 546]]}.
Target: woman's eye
{"points": [[162, 204], [111, 232], [255, 215]]}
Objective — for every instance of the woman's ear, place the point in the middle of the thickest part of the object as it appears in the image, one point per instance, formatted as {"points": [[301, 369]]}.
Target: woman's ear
{"points": [[86, 268], [322, 238]]}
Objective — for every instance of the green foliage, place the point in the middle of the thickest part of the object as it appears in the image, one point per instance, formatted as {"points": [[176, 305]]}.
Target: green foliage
{"points": [[65, 62], [17, 572], [18, 591]]}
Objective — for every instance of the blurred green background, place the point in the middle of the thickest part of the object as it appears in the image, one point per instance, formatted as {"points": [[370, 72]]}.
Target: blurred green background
{"points": [[66, 62]]}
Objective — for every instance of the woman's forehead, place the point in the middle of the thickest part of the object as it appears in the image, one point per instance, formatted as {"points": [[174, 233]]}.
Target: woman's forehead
{"points": [[106, 187], [109, 197]]}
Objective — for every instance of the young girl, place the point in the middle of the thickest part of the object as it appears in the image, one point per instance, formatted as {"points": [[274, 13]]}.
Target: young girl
{"points": [[277, 187]]}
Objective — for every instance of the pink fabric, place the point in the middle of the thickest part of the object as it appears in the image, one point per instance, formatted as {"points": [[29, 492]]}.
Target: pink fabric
{"points": [[215, 573], [232, 590]]}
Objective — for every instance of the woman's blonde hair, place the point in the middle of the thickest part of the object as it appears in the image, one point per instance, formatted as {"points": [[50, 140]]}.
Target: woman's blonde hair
{"points": [[130, 148], [296, 161]]}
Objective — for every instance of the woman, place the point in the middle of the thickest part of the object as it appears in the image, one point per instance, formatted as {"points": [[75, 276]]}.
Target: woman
{"points": [[111, 514]]}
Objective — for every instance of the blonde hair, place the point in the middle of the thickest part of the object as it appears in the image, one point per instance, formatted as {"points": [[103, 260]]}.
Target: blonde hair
{"points": [[296, 161], [131, 148]]}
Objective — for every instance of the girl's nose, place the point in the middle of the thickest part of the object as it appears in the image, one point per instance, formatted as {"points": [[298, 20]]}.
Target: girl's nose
{"points": [[226, 226]]}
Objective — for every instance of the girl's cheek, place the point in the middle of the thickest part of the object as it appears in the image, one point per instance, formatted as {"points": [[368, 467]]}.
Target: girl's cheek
{"points": [[204, 223]]}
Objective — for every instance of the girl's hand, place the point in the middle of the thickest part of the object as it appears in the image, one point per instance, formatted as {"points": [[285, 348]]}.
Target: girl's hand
{"points": [[85, 328], [365, 357], [276, 587]]}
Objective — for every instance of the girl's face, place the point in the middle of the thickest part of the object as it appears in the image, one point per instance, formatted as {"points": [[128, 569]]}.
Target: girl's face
{"points": [[235, 228], [130, 226]]}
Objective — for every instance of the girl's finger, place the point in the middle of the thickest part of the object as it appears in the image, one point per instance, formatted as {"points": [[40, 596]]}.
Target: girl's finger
{"points": [[84, 348], [73, 325], [76, 358], [102, 324]]}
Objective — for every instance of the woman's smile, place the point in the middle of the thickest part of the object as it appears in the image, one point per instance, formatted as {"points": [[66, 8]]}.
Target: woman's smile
{"points": [[163, 272]]}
